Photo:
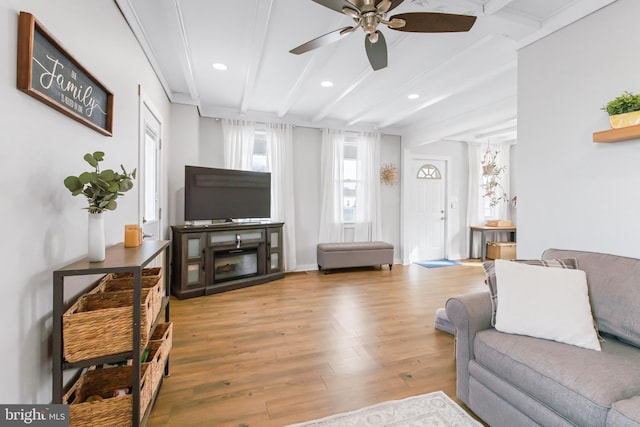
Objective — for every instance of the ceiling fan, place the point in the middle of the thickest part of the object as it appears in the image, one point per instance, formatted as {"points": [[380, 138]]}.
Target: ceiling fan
{"points": [[368, 14]]}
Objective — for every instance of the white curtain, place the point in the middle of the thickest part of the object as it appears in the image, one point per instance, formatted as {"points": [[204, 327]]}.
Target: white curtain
{"points": [[280, 160], [238, 143], [476, 201], [368, 226], [331, 176]]}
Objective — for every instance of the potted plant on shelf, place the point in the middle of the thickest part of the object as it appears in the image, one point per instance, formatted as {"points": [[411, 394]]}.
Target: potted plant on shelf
{"points": [[491, 177], [624, 110], [101, 188]]}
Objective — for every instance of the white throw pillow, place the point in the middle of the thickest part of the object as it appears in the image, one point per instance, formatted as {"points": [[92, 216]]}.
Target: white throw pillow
{"points": [[549, 303]]}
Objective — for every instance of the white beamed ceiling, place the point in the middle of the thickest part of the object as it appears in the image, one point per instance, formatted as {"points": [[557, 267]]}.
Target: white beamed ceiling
{"points": [[467, 82]]}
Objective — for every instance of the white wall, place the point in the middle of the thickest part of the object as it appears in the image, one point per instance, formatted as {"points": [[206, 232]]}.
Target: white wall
{"points": [[204, 147], [573, 193], [44, 226]]}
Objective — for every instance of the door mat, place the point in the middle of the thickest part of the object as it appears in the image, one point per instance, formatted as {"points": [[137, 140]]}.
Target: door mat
{"points": [[437, 263]]}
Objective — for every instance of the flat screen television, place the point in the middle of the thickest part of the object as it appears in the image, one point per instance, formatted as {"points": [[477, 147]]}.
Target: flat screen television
{"points": [[226, 194]]}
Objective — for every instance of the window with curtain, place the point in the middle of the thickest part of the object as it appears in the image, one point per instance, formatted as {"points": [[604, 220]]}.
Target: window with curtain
{"points": [[350, 180], [350, 193], [267, 148]]}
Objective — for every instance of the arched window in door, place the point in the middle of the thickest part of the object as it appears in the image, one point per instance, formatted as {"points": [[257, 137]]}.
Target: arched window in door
{"points": [[429, 172]]}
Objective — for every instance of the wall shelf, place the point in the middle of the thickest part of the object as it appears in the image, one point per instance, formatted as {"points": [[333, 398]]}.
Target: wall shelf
{"points": [[617, 135]]}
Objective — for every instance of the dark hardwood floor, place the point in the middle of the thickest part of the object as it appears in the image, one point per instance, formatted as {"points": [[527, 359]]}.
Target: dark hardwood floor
{"points": [[310, 345]]}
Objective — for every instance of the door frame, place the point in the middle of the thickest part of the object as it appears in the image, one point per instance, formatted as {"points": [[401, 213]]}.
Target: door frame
{"points": [[407, 177], [144, 103]]}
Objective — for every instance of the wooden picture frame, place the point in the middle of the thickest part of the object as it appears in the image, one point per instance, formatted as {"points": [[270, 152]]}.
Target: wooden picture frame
{"points": [[47, 72]]}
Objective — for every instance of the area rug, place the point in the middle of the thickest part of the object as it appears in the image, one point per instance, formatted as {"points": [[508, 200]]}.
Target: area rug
{"points": [[427, 410], [437, 263]]}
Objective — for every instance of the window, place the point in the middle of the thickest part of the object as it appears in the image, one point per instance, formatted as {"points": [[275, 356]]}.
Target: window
{"points": [[429, 172], [259, 161], [350, 180], [151, 205]]}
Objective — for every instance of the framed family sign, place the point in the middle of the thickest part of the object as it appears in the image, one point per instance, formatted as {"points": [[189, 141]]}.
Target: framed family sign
{"points": [[50, 74]]}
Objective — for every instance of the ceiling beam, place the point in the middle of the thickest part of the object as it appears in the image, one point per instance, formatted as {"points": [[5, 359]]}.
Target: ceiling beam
{"points": [[260, 28], [493, 114], [315, 57], [564, 18], [366, 72], [411, 84], [185, 63], [463, 87], [492, 6], [131, 17]]}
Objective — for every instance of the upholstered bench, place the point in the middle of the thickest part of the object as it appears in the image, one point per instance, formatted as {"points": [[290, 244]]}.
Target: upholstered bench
{"points": [[354, 254]]}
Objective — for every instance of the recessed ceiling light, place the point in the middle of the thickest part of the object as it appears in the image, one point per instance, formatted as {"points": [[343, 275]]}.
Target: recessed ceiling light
{"points": [[413, 96], [220, 67], [326, 83]]}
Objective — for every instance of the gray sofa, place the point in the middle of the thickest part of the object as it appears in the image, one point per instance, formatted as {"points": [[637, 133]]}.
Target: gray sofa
{"points": [[515, 381]]}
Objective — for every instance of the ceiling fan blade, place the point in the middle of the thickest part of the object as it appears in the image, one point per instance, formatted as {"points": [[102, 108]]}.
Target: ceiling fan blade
{"points": [[324, 40], [337, 5], [376, 52], [394, 4], [432, 22]]}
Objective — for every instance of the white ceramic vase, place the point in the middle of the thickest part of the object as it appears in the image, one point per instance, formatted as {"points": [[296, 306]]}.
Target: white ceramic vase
{"points": [[96, 243]]}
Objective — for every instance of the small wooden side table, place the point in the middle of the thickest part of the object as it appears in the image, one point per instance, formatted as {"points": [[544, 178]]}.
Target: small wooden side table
{"points": [[483, 230]]}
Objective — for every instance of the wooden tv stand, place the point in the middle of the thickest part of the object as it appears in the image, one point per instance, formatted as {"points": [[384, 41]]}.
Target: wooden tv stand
{"points": [[215, 258]]}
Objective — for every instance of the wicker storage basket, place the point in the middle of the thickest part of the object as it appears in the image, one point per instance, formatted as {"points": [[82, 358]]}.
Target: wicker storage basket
{"points": [[111, 411], [101, 323], [152, 283], [158, 352], [147, 274], [155, 271]]}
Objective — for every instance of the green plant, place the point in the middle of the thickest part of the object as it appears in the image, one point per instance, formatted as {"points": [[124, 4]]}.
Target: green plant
{"points": [[101, 188], [625, 103]]}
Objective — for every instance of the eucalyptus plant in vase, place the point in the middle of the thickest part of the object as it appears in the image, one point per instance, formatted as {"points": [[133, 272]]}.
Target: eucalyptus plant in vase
{"points": [[101, 189]]}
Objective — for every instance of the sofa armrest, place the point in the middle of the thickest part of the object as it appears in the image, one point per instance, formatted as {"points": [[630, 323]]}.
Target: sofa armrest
{"points": [[470, 314]]}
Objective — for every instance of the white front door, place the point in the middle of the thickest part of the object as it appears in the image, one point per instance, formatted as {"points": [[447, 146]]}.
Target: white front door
{"points": [[427, 204], [150, 170]]}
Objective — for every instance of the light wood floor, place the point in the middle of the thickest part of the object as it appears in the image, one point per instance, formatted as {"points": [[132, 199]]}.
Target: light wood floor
{"points": [[310, 345]]}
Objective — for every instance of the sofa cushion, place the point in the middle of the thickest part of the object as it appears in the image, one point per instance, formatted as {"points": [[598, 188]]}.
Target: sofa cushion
{"points": [[492, 282], [614, 289], [579, 384], [625, 413], [550, 303]]}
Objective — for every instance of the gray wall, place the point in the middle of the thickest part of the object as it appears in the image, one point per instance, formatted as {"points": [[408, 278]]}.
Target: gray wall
{"points": [[204, 147], [573, 193], [44, 226]]}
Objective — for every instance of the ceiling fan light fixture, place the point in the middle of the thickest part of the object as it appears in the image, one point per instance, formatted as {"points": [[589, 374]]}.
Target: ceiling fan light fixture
{"points": [[351, 13], [219, 66], [396, 23]]}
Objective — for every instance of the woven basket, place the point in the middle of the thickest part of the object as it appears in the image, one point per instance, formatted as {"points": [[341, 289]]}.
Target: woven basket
{"points": [[147, 274], [111, 411], [155, 271], [159, 351], [152, 283], [101, 323]]}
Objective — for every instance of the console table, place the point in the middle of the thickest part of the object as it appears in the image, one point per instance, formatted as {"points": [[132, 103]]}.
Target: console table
{"points": [[118, 259], [483, 230]]}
